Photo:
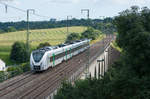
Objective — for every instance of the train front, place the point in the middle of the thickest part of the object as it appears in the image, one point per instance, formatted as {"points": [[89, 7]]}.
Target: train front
{"points": [[36, 60]]}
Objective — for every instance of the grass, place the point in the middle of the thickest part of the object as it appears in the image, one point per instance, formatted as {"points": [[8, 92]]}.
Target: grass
{"points": [[98, 39], [5, 56], [53, 36], [114, 45]]}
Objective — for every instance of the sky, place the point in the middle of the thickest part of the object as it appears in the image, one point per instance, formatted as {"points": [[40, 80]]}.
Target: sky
{"points": [[60, 9]]}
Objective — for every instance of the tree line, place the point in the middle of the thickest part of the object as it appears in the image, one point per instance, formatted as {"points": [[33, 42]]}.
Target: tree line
{"points": [[90, 33], [19, 26]]}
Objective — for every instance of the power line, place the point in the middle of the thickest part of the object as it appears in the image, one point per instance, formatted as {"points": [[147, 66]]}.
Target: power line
{"points": [[40, 15], [88, 50], [22, 10], [13, 7]]}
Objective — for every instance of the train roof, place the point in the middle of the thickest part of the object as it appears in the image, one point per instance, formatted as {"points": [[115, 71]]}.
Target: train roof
{"points": [[62, 45], [49, 48]]}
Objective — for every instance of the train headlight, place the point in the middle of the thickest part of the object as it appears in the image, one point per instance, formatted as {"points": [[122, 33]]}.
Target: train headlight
{"points": [[41, 64], [32, 64]]}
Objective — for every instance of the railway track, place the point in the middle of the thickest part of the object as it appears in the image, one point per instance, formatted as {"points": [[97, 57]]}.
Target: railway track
{"points": [[14, 80], [38, 85], [40, 78], [51, 81], [73, 68]]}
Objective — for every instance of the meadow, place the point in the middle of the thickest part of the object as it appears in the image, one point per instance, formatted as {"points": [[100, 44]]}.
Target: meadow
{"points": [[53, 36]]}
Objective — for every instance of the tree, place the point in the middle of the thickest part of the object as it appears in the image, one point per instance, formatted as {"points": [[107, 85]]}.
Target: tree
{"points": [[91, 33], [133, 38], [129, 77], [72, 37], [7, 26], [25, 67], [1, 31], [10, 29], [64, 92], [41, 45], [19, 52], [107, 28]]}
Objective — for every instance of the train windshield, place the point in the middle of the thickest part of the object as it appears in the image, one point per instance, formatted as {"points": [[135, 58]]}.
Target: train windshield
{"points": [[37, 56]]}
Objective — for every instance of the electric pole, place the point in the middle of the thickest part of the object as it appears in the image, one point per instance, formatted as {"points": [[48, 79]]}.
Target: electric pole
{"points": [[68, 23], [27, 42], [88, 51], [88, 15]]}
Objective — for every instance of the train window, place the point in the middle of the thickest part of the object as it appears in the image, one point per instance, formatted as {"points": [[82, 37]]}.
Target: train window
{"points": [[51, 58], [68, 52], [37, 56], [58, 56]]}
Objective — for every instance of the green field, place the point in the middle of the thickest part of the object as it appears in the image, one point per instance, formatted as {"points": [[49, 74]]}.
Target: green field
{"points": [[53, 36]]}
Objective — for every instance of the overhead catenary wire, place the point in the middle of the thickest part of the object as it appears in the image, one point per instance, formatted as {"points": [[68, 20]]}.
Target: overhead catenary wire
{"points": [[22, 10], [12, 7], [41, 34]]}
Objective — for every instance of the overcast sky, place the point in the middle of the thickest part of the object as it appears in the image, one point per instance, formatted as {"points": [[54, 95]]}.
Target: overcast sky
{"points": [[61, 8]]}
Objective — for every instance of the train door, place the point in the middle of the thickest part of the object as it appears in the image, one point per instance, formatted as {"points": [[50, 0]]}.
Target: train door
{"points": [[53, 59], [70, 51], [66, 54]]}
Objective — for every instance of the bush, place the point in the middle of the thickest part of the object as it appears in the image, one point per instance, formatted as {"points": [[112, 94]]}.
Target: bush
{"points": [[25, 67], [1, 31], [14, 71], [91, 34], [10, 29], [19, 52], [73, 37], [2, 76], [41, 45]]}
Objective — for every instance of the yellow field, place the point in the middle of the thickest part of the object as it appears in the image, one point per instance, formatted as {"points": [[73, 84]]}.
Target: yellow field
{"points": [[53, 36]]}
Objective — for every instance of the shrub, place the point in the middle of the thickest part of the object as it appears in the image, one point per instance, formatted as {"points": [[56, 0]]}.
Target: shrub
{"points": [[2, 76], [41, 45], [1, 31], [10, 29], [19, 52], [14, 71], [73, 37], [91, 34], [25, 67]]}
